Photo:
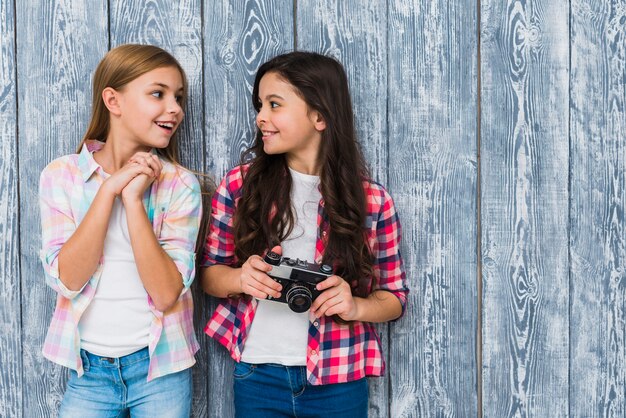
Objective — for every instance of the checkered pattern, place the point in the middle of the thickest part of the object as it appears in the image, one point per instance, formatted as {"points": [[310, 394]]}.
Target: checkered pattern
{"points": [[336, 353], [67, 187]]}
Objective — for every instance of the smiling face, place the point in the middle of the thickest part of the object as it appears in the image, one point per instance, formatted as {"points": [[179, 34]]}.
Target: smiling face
{"points": [[147, 111], [287, 124]]}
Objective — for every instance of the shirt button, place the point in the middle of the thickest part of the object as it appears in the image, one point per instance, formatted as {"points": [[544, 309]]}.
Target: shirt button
{"points": [[313, 352], [323, 233], [316, 324]]}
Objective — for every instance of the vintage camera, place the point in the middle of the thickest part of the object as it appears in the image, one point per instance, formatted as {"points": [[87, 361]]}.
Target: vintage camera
{"points": [[298, 278]]}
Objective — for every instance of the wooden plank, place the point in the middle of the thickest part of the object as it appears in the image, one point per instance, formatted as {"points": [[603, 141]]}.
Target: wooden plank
{"points": [[10, 310], [238, 37], [356, 34], [598, 200], [179, 32], [59, 43], [432, 59], [524, 153]]}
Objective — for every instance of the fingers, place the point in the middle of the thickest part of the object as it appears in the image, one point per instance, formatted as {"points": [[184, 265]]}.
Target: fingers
{"points": [[254, 280], [277, 249], [147, 159], [139, 169], [335, 299], [331, 281]]}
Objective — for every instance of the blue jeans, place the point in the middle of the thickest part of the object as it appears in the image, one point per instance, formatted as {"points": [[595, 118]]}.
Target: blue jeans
{"points": [[117, 387], [273, 390]]}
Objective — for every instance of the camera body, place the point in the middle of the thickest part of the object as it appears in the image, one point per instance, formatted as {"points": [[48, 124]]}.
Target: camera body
{"points": [[298, 278]]}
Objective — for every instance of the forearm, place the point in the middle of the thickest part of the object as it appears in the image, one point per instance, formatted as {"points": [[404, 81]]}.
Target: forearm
{"points": [[221, 281], [158, 272], [379, 306], [79, 256]]}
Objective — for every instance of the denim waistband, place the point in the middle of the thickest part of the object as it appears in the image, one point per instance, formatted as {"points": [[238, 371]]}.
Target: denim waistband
{"points": [[94, 360]]}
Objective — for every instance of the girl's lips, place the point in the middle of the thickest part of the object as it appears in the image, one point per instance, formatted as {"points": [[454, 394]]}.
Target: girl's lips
{"points": [[166, 126], [267, 134]]}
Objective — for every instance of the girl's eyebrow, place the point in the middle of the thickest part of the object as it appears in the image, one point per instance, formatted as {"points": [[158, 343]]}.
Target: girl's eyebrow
{"points": [[165, 86], [274, 96]]}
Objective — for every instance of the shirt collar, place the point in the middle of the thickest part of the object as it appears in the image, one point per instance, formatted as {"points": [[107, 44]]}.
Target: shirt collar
{"points": [[86, 162]]}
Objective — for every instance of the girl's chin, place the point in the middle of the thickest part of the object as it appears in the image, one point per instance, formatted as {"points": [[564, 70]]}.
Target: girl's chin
{"points": [[270, 150]]}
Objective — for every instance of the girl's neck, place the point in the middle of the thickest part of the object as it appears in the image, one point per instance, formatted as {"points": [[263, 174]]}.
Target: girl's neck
{"points": [[116, 153], [305, 166]]}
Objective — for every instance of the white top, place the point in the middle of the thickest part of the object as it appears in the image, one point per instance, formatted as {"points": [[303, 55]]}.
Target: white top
{"points": [[277, 334], [117, 321]]}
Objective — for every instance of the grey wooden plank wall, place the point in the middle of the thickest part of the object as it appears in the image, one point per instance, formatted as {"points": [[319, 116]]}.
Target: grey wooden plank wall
{"points": [[498, 126], [524, 149]]}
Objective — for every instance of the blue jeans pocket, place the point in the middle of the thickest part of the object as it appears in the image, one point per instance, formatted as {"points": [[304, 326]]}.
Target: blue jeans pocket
{"points": [[243, 370], [85, 360]]}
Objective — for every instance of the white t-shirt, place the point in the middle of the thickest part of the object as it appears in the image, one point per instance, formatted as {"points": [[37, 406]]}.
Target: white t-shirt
{"points": [[117, 321], [277, 334]]}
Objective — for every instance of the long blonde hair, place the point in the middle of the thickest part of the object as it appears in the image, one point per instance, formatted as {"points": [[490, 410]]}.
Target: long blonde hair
{"points": [[120, 66]]}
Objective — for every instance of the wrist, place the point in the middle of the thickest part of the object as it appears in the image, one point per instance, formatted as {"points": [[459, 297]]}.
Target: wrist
{"points": [[238, 283], [107, 190], [130, 201], [355, 313]]}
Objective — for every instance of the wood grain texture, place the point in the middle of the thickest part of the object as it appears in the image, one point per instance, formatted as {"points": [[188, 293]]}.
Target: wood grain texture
{"points": [[179, 31], [553, 302], [238, 38], [11, 387], [598, 201], [524, 153], [356, 35], [432, 67], [59, 44]]}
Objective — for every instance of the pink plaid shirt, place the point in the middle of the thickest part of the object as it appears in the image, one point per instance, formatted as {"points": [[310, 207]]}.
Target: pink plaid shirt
{"points": [[67, 187], [336, 353]]}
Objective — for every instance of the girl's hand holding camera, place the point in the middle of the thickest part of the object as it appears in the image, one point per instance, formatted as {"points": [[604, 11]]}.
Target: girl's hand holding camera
{"points": [[336, 299], [253, 278]]}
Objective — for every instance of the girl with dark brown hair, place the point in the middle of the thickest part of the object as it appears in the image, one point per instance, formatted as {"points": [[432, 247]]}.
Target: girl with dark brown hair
{"points": [[304, 191]]}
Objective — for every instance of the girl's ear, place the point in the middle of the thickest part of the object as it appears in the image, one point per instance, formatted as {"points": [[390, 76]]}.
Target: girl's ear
{"points": [[318, 121], [111, 100]]}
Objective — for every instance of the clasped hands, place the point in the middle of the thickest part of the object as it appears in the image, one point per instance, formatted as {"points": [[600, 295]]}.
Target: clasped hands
{"points": [[131, 181]]}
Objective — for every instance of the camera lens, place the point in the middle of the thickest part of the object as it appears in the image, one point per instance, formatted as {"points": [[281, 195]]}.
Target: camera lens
{"points": [[298, 298]]}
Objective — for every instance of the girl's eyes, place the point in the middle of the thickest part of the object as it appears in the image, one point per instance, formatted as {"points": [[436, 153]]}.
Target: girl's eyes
{"points": [[159, 95], [272, 105]]}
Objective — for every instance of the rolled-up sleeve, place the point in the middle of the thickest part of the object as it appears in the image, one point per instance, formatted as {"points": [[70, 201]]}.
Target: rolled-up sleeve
{"points": [[181, 222], [219, 247], [388, 264], [57, 223]]}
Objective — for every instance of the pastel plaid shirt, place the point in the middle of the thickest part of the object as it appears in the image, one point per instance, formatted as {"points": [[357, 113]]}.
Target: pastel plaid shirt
{"points": [[336, 353], [67, 187]]}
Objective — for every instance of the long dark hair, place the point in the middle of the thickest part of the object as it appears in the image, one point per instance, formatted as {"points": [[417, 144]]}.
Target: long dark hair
{"points": [[264, 216]]}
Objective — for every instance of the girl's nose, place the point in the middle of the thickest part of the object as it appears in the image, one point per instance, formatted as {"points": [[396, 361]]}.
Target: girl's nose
{"points": [[174, 107], [260, 117]]}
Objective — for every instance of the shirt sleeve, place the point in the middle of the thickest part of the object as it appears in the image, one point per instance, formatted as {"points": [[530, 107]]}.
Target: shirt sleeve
{"points": [[219, 247], [180, 225], [388, 263], [57, 223]]}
